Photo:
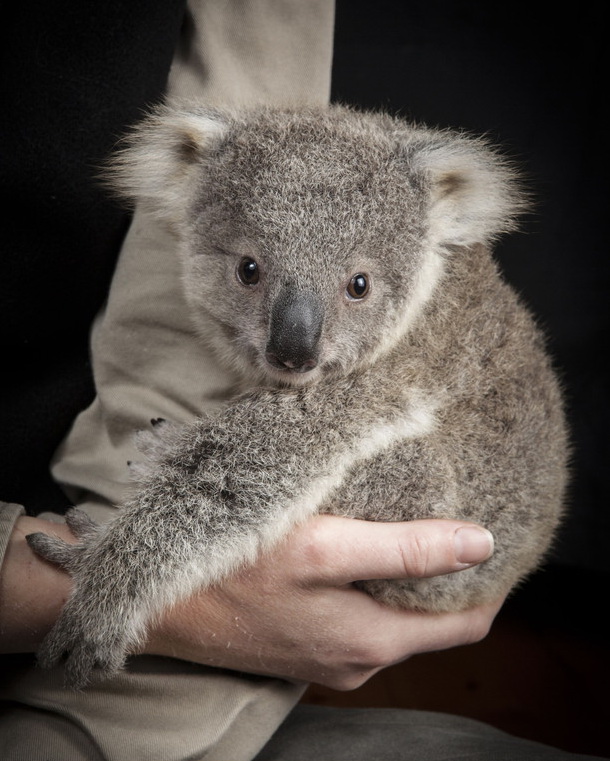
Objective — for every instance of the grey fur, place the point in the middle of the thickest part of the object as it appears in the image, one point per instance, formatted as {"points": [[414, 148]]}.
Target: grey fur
{"points": [[431, 396]]}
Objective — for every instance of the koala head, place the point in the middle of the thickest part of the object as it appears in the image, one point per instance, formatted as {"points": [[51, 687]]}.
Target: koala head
{"points": [[311, 239]]}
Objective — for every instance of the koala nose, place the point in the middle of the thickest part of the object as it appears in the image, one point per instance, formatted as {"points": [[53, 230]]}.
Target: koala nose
{"points": [[296, 325], [289, 364]]}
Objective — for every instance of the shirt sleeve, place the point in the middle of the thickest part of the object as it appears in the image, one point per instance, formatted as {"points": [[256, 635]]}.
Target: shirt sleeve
{"points": [[9, 513]]}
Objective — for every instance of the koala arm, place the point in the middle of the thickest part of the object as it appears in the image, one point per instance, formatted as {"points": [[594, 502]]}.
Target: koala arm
{"points": [[214, 495]]}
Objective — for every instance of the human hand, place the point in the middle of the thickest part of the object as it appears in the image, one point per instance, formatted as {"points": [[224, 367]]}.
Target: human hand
{"points": [[296, 614]]}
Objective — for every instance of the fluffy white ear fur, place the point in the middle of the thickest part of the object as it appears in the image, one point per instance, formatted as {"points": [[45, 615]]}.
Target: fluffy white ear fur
{"points": [[474, 197], [160, 163], [475, 193]]}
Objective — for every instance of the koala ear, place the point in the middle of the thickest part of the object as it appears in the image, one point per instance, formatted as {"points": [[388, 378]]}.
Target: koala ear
{"points": [[160, 161], [475, 195]]}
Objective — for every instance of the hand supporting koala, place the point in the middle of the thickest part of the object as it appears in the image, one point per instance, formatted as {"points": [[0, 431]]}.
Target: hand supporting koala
{"points": [[294, 614]]}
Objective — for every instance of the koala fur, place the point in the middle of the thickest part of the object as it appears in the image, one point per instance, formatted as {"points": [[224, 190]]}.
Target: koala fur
{"points": [[343, 262]]}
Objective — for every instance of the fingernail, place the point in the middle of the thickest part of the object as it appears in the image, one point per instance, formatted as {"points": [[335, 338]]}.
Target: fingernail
{"points": [[473, 544]]}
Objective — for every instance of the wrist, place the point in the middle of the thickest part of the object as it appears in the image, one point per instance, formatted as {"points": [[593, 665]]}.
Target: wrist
{"points": [[32, 591]]}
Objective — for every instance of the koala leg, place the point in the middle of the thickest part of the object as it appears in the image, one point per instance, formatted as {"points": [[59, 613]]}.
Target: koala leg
{"points": [[447, 476], [414, 480], [92, 641]]}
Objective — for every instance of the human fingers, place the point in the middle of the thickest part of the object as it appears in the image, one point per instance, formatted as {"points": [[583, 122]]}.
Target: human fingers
{"points": [[400, 635], [336, 551]]}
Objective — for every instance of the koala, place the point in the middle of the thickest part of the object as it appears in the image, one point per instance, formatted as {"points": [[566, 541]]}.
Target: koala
{"points": [[339, 262]]}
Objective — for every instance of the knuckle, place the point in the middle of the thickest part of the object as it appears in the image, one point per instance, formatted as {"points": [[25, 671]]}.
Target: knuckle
{"points": [[372, 656], [357, 664], [416, 554], [311, 545], [478, 628], [313, 557]]}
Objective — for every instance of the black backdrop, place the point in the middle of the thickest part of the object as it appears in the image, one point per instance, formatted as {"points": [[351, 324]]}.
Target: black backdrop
{"points": [[73, 75]]}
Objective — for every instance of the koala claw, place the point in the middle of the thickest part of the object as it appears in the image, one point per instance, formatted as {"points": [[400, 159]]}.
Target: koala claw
{"points": [[64, 554], [54, 550], [80, 524]]}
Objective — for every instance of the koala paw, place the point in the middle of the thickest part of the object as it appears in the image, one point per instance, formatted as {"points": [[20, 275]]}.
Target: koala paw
{"points": [[87, 650], [90, 634], [62, 553]]}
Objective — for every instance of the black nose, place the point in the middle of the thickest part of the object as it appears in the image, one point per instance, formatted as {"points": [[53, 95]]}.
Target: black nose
{"points": [[294, 332]]}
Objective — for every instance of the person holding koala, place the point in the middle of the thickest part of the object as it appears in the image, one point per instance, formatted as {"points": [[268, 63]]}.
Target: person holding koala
{"points": [[236, 657]]}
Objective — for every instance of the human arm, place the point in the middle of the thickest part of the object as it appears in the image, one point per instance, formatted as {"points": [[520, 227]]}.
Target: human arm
{"points": [[293, 614]]}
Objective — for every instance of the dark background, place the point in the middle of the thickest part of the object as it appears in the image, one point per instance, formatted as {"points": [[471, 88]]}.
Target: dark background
{"points": [[531, 77], [74, 74]]}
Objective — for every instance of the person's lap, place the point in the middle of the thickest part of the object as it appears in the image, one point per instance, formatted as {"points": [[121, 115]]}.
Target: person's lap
{"points": [[311, 733]]}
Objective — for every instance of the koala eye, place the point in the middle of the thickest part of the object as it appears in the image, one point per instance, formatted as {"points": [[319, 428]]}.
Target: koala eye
{"points": [[247, 271], [358, 286]]}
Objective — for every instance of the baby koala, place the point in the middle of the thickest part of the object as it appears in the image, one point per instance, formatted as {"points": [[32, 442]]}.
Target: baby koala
{"points": [[339, 262]]}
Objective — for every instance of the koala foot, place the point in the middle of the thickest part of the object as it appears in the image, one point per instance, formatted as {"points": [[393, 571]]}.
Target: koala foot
{"points": [[88, 634], [86, 649]]}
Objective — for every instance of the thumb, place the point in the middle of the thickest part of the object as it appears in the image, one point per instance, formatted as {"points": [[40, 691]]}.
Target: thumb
{"points": [[343, 550]]}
